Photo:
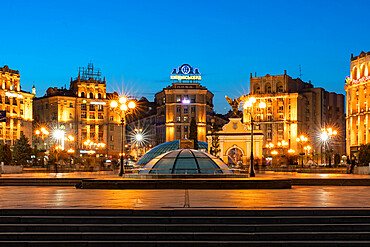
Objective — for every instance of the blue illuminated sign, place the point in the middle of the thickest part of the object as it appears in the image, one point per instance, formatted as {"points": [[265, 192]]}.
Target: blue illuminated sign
{"points": [[186, 73]]}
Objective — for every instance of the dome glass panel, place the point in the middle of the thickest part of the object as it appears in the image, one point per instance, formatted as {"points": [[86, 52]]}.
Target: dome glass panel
{"points": [[186, 161]]}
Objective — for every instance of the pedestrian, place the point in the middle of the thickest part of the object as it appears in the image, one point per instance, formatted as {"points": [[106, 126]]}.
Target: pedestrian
{"points": [[348, 164], [353, 163]]}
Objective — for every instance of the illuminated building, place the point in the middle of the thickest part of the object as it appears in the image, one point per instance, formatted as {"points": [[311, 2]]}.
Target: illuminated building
{"points": [[294, 108], [358, 103], [82, 111], [18, 107], [179, 103]]}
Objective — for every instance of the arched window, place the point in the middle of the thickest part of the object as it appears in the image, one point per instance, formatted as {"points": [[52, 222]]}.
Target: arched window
{"points": [[257, 89], [268, 88], [83, 95], [91, 95], [354, 74], [99, 95]]}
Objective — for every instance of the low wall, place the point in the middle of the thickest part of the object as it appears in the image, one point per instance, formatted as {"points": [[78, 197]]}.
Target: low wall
{"points": [[12, 169], [362, 170]]}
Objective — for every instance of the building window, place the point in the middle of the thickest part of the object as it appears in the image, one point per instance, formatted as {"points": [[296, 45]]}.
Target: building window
{"points": [[280, 89], [70, 105], [192, 109], [178, 109], [70, 115], [178, 119], [112, 147], [7, 101], [186, 110], [112, 127], [91, 95], [192, 100], [92, 107], [83, 107], [92, 115], [269, 135], [269, 117], [111, 138], [281, 108], [100, 116], [100, 108], [185, 119], [178, 99], [99, 95]]}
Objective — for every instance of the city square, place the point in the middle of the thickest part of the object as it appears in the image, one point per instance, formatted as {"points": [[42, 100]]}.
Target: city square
{"points": [[198, 123]]}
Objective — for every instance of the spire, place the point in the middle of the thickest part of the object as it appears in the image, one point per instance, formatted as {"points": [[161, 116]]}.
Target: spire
{"points": [[34, 89]]}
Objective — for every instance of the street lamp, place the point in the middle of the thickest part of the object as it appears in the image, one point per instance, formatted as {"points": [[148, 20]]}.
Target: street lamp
{"points": [[326, 135], [270, 146], [122, 107], [301, 140], [43, 132], [248, 105]]}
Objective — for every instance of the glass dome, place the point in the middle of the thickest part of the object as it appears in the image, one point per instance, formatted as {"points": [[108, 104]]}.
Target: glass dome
{"points": [[185, 161], [164, 148]]}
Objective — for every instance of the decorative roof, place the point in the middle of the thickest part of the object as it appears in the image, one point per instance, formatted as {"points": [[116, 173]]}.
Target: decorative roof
{"points": [[163, 148], [185, 161]]}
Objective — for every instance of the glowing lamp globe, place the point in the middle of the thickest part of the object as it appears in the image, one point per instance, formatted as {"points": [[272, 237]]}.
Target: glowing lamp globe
{"points": [[113, 104], [131, 105], [124, 107], [122, 100]]}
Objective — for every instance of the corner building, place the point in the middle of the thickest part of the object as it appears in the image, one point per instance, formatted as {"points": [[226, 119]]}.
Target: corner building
{"points": [[82, 111], [358, 103], [179, 103], [18, 107], [294, 108]]}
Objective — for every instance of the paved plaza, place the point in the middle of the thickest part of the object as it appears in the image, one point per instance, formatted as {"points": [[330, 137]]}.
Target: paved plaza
{"points": [[70, 197]]}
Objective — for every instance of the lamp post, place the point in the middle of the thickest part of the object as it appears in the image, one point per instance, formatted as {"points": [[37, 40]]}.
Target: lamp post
{"points": [[269, 146], [248, 105], [59, 136], [43, 132], [301, 140], [122, 107], [326, 135]]}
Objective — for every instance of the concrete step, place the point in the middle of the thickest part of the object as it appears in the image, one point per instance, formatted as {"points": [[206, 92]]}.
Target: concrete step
{"points": [[227, 228], [183, 220], [183, 243], [178, 212], [185, 236]]}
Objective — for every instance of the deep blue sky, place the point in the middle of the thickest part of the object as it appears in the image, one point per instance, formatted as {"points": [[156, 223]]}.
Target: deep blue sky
{"points": [[136, 44]]}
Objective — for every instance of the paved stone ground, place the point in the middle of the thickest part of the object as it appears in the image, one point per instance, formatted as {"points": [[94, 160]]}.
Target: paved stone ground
{"points": [[68, 197], [114, 175]]}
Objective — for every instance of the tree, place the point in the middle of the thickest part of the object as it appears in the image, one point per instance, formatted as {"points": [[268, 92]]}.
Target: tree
{"points": [[364, 154], [22, 150], [5, 154], [336, 159], [215, 148], [193, 135]]}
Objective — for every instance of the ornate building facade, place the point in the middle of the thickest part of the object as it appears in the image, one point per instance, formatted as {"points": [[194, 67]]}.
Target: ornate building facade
{"points": [[295, 108], [179, 103], [82, 111], [18, 107], [358, 103]]}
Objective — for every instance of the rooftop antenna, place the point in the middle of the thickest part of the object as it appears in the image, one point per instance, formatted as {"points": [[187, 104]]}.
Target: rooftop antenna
{"points": [[300, 72]]}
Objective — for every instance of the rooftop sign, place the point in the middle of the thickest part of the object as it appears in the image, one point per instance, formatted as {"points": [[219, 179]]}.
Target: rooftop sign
{"points": [[186, 73], [362, 79]]}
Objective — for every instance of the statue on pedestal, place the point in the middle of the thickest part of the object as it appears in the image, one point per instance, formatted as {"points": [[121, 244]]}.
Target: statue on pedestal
{"points": [[234, 103]]}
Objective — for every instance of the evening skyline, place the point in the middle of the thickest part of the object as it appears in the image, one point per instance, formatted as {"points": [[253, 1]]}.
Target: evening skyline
{"points": [[138, 43]]}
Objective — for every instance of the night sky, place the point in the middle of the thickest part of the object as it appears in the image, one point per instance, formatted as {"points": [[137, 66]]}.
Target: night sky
{"points": [[136, 44]]}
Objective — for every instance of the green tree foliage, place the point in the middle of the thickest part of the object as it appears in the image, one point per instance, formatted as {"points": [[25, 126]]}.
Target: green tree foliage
{"points": [[364, 154], [22, 150], [5, 154], [193, 135], [215, 148]]}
